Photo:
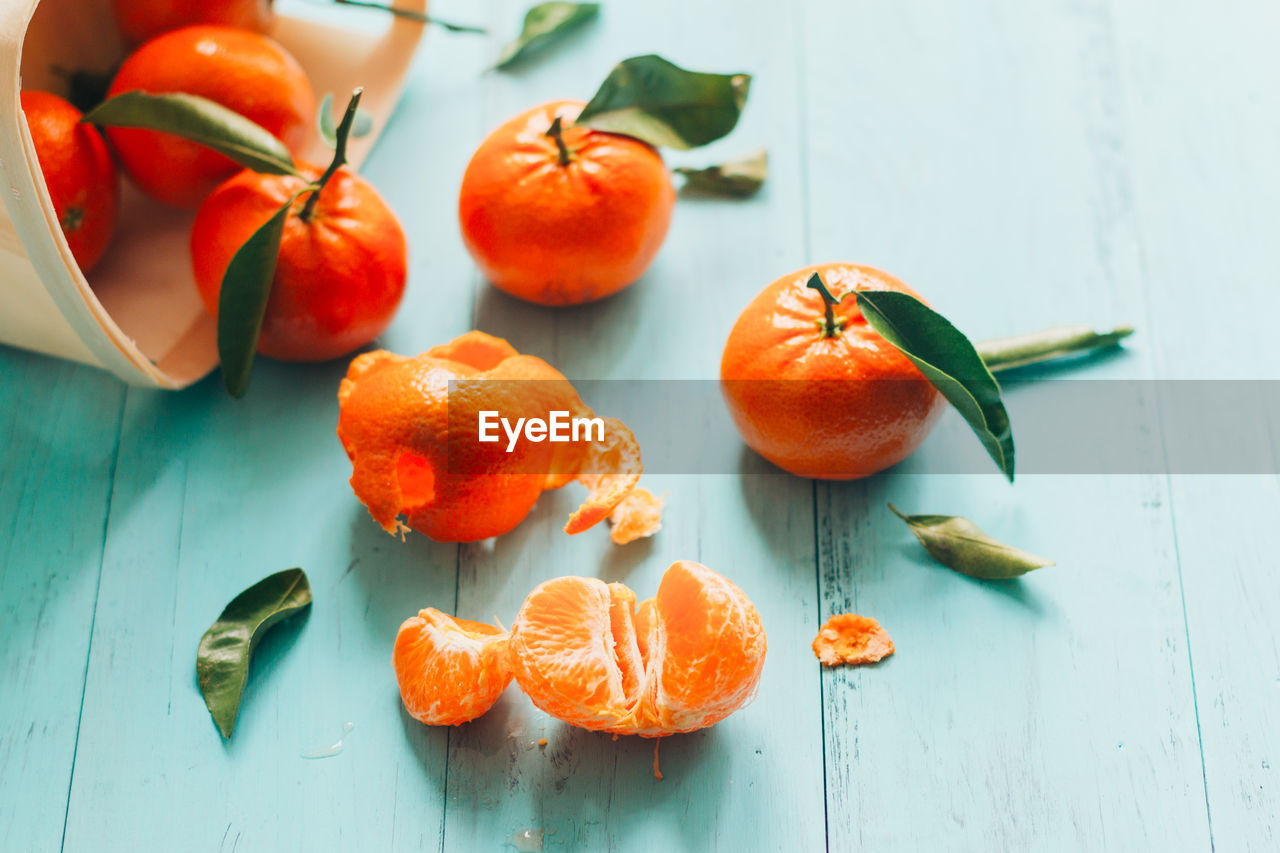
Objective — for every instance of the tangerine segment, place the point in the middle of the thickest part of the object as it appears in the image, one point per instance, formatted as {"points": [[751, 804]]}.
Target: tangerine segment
{"points": [[848, 638], [413, 442], [450, 670], [683, 660]]}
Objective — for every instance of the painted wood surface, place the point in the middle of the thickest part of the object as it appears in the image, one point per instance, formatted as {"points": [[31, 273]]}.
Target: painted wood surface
{"points": [[1023, 165]]}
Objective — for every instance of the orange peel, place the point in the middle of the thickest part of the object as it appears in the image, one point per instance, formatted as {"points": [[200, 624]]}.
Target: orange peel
{"points": [[848, 638], [637, 516]]}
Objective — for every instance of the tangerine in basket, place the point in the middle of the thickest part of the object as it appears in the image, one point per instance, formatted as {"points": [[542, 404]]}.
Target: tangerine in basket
{"points": [[415, 451], [824, 399], [449, 670], [558, 214], [140, 20], [78, 172], [685, 659], [342, 264], [241, 70]]}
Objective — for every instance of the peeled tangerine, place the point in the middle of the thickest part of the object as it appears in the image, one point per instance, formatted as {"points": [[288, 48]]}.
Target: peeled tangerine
{"points": [[414, 443], [586, 653]]}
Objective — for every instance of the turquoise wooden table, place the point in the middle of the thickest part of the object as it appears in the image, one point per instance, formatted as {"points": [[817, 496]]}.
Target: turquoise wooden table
{"points": [[1022, 164]]}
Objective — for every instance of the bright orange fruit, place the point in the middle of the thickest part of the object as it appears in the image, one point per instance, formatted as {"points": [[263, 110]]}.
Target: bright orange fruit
{"points": [[560, 226], [449, 670], [140, 20], [415, 450], [637, 517], [834, 407], [241, 70], [689, 657], [78, 171], [848, 638], [340, 274]]}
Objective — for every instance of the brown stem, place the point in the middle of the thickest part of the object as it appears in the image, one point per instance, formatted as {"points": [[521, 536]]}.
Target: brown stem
{"points": [[556, 132], [830, 326]]}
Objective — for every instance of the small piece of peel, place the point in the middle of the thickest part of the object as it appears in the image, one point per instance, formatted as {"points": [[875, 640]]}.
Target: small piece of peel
{"points": [[639, 515], [848, 638]]}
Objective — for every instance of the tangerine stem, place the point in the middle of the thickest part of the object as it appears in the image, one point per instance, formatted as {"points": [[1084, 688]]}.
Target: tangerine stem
{"points": [[339, 154], [830, 328], [556, 132]]}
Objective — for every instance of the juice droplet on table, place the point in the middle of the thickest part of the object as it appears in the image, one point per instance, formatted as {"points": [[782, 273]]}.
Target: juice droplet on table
{"points": [[332, 749]]}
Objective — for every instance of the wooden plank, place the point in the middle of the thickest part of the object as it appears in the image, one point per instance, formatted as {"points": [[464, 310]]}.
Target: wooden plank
{"points": [[1203, 141], [755, 780], [213, 494], [59, 427], [979, 154]]}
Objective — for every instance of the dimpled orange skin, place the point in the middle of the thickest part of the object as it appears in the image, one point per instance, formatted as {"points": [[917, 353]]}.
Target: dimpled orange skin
{"points": [[683, 660], [140, 20], [340, 275], [450, 670], [78, 172], [395, 419], [561, 235], [241, 70], [818, 406]]}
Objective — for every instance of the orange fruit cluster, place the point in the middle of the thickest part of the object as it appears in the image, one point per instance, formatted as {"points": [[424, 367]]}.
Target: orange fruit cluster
{"points": [[586, 653], [415, 450]]}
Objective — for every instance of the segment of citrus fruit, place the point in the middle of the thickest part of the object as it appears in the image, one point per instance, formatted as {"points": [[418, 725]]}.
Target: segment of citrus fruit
{"points": [[832, 403], [415, 447], [586, 653], [848, 638], [449, 670]]}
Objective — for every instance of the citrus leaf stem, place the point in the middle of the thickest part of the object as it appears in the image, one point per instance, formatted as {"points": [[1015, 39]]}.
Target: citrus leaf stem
{"points": [[341, 136], [1021, 350], [410, 15]]}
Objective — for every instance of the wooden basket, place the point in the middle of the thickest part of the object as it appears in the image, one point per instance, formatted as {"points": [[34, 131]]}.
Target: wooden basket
{"points": [[138, 314]]}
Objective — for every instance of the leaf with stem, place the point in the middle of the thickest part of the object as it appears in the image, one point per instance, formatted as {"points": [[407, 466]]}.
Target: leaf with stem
{"points": [[949, 361], [222, 659], [246, 285], [1036, 347], [199, 120], [661, 103], [959, 544], [543, 24]]}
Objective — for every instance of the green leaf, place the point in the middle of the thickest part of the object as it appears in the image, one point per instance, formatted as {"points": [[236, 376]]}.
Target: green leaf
{"points": [[202, 121], [242, 303], [222, 661], [950, 363], [651, 99], [544, 24], [742, 176], [960, 544], [362, 126], [1021, 350]]}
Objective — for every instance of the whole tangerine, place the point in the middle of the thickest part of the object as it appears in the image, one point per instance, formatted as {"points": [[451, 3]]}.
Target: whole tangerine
{"points": [[140, 20], [78, 172], [559, 214], [829, 400], [342, 265], [241, 70]]}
